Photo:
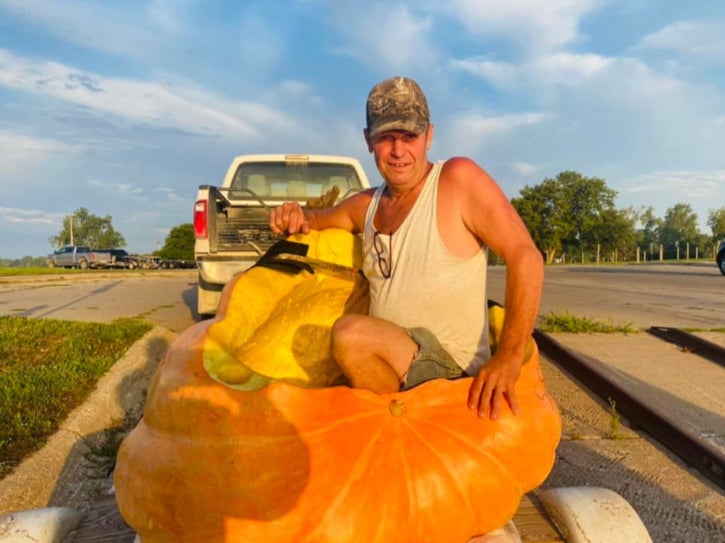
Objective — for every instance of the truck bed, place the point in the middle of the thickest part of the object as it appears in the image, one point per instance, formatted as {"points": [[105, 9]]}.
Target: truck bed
{"points": [[242, 229]]}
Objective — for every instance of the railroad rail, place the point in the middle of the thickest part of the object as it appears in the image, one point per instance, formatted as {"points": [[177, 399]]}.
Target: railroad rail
{"points": [[690, 447], [691, 343]]}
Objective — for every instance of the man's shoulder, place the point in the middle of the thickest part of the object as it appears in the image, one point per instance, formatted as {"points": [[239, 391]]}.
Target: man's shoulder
{"points": [[462, 170], [458, 162]]}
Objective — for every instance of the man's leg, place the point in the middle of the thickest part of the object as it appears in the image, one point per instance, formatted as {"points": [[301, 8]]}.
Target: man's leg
{"points": [[373, 353]]}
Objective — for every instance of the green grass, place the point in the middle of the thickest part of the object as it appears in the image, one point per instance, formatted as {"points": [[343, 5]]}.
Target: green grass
{"points": [[566, 322], [13, 272], [47, 368]]}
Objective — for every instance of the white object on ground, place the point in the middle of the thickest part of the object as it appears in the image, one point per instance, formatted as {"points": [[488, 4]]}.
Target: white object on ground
{"points": [[507, 534], [593, 515], [48, 525]]}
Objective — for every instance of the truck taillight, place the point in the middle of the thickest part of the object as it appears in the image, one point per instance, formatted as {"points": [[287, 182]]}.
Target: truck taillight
{"points": [[200, 225]]}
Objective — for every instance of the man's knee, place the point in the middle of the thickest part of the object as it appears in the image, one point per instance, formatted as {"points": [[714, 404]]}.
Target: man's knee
{"points": [[345, 327], [345, 332]]}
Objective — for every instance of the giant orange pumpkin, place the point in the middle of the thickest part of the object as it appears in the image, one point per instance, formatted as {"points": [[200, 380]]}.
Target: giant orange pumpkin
{"points": [[239, 443]]}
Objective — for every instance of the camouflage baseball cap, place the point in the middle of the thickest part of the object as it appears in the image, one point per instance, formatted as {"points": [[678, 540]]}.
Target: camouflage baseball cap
{"points": [[397, 104]]}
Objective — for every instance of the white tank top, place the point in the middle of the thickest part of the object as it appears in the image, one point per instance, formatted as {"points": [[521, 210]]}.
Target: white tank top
{"points": [[428, 286]]}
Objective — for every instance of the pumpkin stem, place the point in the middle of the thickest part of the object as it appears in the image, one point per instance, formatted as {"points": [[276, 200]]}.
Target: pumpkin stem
{"points": [[397, 408]]}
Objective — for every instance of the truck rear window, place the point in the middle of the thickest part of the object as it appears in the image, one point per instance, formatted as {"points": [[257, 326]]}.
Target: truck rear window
{"points": [[292, 180]]}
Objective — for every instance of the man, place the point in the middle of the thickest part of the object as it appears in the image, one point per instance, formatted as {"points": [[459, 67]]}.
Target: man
{"points": [[426, 233]]}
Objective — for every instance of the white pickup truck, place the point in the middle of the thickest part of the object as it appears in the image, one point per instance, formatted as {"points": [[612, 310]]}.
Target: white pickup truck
{"points": [[231, 222]]}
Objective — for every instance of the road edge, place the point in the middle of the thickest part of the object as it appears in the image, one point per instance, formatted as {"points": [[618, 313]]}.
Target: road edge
{"points": [[57, 473]]}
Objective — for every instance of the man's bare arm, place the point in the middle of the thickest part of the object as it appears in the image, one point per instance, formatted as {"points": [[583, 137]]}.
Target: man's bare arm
{"points": [[491, 217], [291, 218]]}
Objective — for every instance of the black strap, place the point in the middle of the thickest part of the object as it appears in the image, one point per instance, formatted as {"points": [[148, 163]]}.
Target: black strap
{"points": [[269, 260]]}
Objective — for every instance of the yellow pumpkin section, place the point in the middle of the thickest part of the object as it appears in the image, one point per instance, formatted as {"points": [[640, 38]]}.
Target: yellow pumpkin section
{"points": [[270, 333], [496, 316]]}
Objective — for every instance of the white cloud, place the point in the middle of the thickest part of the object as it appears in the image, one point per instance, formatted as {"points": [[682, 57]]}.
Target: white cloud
{"points": [[21, 152], [524, 169], [701, 185], [539, 27], [482, 127], [171, 15], [471, 132], [499, 74], [571, 69], [29, 216], [178, 107], [107, 26], [556, 69], [703, 39], [581, 86], [119, 189], [388, 38]]}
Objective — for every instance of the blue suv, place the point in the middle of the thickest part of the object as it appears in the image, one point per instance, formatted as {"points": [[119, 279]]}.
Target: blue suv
{"points": [[721, 258]]}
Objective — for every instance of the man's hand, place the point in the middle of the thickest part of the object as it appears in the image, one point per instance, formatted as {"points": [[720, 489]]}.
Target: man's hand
{"points": [[495, 383], [289, 218]]}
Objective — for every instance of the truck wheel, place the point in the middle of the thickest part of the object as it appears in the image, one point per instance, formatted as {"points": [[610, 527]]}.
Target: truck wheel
{"points": [[131, 265], [83, 264]]}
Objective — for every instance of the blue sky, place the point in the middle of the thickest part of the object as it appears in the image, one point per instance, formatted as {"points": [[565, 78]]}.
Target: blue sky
{"points": [[126, 107]]}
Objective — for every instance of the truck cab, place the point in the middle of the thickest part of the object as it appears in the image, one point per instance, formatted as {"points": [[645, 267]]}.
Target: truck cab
{"points": [[231, 221], [70, 256]]}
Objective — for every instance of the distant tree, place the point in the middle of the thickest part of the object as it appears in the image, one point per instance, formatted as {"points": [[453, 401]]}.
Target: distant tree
{"points": [[540, 208], [570, 213], [648, 236], [589, 203], [179, 244], [716, 222], [679, 227], [88, 229], [25, 262], [615, 232]]}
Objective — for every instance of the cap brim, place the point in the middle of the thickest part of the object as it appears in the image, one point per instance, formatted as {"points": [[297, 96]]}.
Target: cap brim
{"points": [[417, 126]]}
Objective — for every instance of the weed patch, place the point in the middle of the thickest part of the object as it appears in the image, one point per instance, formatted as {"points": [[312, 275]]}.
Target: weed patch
{"points": [[566, 322], [47, 368]]}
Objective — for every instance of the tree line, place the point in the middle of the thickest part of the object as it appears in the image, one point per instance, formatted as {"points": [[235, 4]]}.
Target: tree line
{"points": [[84, 228], [573, 218]]}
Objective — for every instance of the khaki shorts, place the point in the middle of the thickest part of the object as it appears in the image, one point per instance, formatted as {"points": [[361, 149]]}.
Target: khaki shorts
{"points": [[431, 361]]}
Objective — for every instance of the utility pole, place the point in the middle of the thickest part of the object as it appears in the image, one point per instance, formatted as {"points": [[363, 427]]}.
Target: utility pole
{"points": [[70, 222]]}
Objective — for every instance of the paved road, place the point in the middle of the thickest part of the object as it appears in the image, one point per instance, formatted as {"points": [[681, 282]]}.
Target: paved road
{"points": [[165, 298], [645, 295], [651, 295]]}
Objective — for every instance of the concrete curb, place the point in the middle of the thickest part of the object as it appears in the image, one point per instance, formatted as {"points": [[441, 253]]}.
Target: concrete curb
{"points": [[56, 474]]}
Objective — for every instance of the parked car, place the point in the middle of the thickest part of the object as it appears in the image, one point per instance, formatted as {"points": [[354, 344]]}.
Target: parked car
{"points": [[70, 256], [80, 256], [130, 262], [176, 264], [149, 262], [109, 258], [721, 257]]}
